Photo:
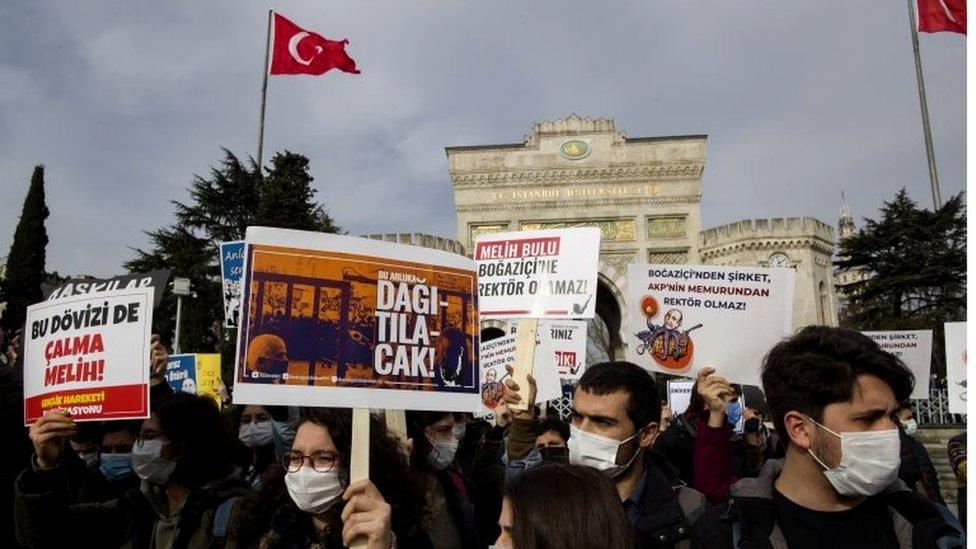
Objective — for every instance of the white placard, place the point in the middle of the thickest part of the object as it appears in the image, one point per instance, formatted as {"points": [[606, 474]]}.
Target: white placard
{"points": [[956, 348], [538, 274], [500, 353], [89, 355], [679, 394], [685, 317], [562, 346], [914, 348]]}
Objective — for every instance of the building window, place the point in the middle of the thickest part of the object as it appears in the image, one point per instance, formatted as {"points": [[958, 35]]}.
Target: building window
{"points": [[611, 230], [673, 226], [669, 256]]}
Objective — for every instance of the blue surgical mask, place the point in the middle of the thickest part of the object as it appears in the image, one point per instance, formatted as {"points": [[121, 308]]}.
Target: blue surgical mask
{"points": [[116, 466]]}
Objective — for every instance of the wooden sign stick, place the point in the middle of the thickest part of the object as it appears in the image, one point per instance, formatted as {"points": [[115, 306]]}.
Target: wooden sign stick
{"points": [[525, 339], [396, 425], [359, 458]]}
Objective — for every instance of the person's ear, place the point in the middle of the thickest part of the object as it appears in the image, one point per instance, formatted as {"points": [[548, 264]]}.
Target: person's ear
{"points": [[409, 445], [648, 435], [799, 429]]}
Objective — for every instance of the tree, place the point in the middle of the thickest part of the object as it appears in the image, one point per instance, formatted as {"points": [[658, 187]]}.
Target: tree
{"points": [[915, 260], [25, 263], [233, 196]]}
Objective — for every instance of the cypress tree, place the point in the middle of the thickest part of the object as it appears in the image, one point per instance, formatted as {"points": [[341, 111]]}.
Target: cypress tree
{"points": [[25, 262]]}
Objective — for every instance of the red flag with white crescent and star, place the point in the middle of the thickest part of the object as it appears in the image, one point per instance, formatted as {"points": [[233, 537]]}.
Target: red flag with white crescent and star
{"points": [[942, 16], [295, 50]]}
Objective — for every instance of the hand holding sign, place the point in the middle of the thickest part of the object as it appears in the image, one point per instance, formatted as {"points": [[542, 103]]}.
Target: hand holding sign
{"points": [[366, 515], [716, 391], [49, 435], [158, 358]]}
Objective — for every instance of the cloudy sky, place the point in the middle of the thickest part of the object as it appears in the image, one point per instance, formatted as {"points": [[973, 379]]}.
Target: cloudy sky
{"points": [[124, 101]]}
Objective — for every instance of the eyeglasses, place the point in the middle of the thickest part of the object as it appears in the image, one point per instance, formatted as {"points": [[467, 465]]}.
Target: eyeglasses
{"points": [[321, 462]]}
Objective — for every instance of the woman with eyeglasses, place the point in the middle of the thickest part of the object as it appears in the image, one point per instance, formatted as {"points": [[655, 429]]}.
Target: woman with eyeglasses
{"points": [[186, 497], [308, 501]]}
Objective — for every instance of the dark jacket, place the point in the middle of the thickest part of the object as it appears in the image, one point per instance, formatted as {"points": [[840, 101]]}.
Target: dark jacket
{"points": [[677, 445], [750, 511], [667, 508], [45, 519], [916, 469], [487, 477]]}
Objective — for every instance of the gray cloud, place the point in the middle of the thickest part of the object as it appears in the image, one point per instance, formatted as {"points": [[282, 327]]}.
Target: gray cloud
{"points": [[124, 101]]}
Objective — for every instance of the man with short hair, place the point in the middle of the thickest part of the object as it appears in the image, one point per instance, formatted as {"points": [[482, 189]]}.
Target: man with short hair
{"points": [[616, 412], [832, 395]]}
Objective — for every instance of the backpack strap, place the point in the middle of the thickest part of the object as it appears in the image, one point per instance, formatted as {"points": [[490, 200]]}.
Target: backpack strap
{"points": [[222, 517], [692, 503], [929, 527]]}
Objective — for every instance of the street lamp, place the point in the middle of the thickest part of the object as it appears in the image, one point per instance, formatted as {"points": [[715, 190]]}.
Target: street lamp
{"points": [[181, 287]]}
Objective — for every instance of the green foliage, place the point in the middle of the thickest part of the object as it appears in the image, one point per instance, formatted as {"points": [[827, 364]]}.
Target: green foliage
{"points": [[25, 263], [222, 205], [916, 262]]}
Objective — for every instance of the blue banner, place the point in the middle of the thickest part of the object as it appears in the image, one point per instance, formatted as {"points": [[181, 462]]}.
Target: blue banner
{"points": [[181, 373], [231, 273]]}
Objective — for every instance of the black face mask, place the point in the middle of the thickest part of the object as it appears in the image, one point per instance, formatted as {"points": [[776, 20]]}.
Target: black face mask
{"points": [[555, 454], [752, 425]]}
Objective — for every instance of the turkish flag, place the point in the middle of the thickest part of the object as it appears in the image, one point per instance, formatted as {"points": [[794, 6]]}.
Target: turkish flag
{"points": [[942, 16], [295, 50]]}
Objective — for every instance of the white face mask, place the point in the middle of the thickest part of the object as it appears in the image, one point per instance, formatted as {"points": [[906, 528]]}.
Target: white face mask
{"points": [[910, 427], [442, 454], [149, 464], [256, 435], [314, 492], [869, 462], [598, 452]]}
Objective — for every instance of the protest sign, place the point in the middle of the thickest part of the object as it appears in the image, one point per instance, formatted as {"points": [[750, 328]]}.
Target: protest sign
{"points": [[684, 317], [538, 274], [499, 353], [332, 320], [956, 348], [208, 376], [89, 355], [495, 356], [86, 286], [181, 373], [679, 394], [231, 272], [562, 346], [914, 348]]}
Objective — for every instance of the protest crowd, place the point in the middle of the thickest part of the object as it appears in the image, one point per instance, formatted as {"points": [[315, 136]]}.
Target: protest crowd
{"points": [[822, 456]]}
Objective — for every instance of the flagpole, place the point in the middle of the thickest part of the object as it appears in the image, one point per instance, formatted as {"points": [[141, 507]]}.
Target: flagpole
{"points": [[264, 91], [926, 127]]}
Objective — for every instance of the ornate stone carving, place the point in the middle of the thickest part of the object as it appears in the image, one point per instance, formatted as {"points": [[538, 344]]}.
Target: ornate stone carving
{"points": [[670, 257], [611, 230], [487, 228], [671, 226], [629, 173]]}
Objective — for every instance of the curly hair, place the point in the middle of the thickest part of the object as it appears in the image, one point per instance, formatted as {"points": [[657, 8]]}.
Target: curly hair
{"points": [[271, 514]]}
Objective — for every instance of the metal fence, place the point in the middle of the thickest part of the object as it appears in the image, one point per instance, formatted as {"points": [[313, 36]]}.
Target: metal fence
{"points": [[934, 411]]}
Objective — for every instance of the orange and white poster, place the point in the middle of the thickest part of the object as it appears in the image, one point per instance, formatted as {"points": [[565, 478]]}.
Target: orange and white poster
{"points": [[332, 320]]}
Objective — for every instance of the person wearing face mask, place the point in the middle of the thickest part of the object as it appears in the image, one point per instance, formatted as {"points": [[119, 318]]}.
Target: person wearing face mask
{"points": [[266, 435], [833, 395], [307, 500], [916, 469], [616, 410], [451, 516], [112, 475], [187, 493]]}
